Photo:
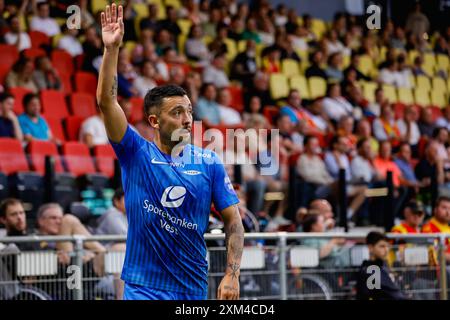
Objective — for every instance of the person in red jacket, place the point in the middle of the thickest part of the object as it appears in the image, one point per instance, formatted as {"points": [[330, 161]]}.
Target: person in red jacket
{"points": [[414, 214]]}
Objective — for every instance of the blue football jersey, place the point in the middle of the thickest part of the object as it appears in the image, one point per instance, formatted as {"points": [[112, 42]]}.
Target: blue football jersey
{"points": [[168, 202]]}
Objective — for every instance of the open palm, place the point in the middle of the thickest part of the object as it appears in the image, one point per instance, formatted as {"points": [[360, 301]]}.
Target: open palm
{"points": [[112, 26]]}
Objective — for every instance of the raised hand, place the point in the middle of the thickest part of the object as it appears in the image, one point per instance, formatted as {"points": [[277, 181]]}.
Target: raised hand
{"points": [[112, 26]]}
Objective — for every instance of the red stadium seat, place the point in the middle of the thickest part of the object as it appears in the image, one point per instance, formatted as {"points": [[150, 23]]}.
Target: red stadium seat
{"points": [[63, 62], [73, 125], [78, 160], [66, 81], [10, 54], [12, 156], [38, 149], [38, 38], [137, 109], [237, 101], [270, 112], [19, 93], [4, 69], [83, 104], [56, 128], [104, 156], [54, 104], [85, 82], [33, 53]]}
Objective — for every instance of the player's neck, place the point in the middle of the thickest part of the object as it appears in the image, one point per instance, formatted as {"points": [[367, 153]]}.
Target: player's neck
{"points": [[168, 148]]}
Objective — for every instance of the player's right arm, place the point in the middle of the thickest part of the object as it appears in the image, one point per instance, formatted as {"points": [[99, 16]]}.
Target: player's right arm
{"points": [[112, 34]]}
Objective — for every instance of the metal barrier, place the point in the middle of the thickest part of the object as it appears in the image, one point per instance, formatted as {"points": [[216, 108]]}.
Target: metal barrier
{"points": [[274, 266]]}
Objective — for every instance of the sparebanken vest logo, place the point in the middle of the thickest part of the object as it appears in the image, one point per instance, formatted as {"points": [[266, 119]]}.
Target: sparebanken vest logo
{"points": [[173, 196]]}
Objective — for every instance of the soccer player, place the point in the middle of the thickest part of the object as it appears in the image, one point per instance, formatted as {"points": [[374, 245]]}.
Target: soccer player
{"points": [[167, 198]]}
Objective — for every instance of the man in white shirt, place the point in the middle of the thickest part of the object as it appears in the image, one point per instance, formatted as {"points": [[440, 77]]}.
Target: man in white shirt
{"points": [[228, 115], [92, 131], [408, 127], [362, 170], [215, 72], [70, 43], [42, 21], [17, 37]]}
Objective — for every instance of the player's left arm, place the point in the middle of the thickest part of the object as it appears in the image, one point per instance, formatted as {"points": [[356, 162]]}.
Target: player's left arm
{"points": [[234, 241]]}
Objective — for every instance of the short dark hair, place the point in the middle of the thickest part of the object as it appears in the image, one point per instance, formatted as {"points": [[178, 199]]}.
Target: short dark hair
{"points": [[436, 131], [360, 143], [154, 97], [6, 203], [4, 96], [374, 237], [441, 199], [27, 98], [308, 138], [309, 220]]}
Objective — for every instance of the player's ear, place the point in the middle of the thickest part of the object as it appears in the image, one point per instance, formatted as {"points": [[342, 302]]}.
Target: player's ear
{"points": [[154, 121]]}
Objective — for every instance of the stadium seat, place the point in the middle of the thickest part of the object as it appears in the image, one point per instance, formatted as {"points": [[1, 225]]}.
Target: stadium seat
{"points": [[4, 69], [438, 98], [237, 98], [429, 60], [85, 82], [66, 81], [63, 62], [137, 109], [141, 10], [73, 125], [423, 82], [12, 156], [365, 64], [290, 67], [56, 128], [185, 25], [242, 45], [82, 104], [38, 150], [438, 84], [369, 88], [405, 96], [317, 87], [54, 104], [33, 53], [77, 158], [279, 87], [174, 3], [270, 112], [231, 49], [104, 159], [390, 93], [38, 38], [318, 27], [412, 54], [98, 5], [443, 61], [10, 54], [422, 97], [18, 93], [299, 82]]}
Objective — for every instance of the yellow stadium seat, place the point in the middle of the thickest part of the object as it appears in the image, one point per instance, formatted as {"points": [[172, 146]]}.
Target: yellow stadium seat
{"points": [[299, 82], [412, 54], [429, 59], [442, 61], [423, 82], [382, 56], [365, 64], [231, 49], [438, 84], [448, 85], [317, 87], [174, 3], [207, 39], [98, 5], [438, 98], [412, 80], [130, 45], [422, 97], [141, 10], [345, 61], [318, 27], [369, 88], [181, 42], [242, 45], [56, 39], [185, 25], [405, 96], [279, 87], [390, 93], [290, 67]]}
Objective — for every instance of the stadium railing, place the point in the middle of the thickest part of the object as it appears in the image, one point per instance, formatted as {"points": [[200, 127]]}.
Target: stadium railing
{"points": [[274, 266]]}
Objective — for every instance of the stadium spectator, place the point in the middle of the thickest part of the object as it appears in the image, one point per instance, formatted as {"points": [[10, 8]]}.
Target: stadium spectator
{"points": [[404, 72], [92, 131], [92, 50], [192, 85], [21, 75], [385, 128], [323, 207], [417, 67], [378, 245], [294, 108], [291, 140], [300, 39], [15, 35], [444, 120], [114, 220], [334, 104], [417, 23], [398, 40], [403, 162], [408, 127], [334, 45], [345, 129], [13, 217], [218, 44], [390, 75], [440, 137], [364, 131], [267, 32], [41, 20], [363, 170], [45, 75], [430, 171], [260, 88], [9, 124], [195, 48], [334, 69], [384, 163], [228, 115], [31, 122], [414, 214], [426, 122], [354, 65], [215, 73], [207, 109], [69, 42], [251, 31], [151, 21], [236, 29], [337, 158], [243, 67], [176, 75], [332, 252], [146, 80], [315, 69], [170, 23], [374, 108]]}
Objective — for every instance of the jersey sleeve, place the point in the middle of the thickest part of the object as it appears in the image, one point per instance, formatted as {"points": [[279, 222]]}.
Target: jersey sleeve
{"points": [[223, 194], [128, 146]]}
